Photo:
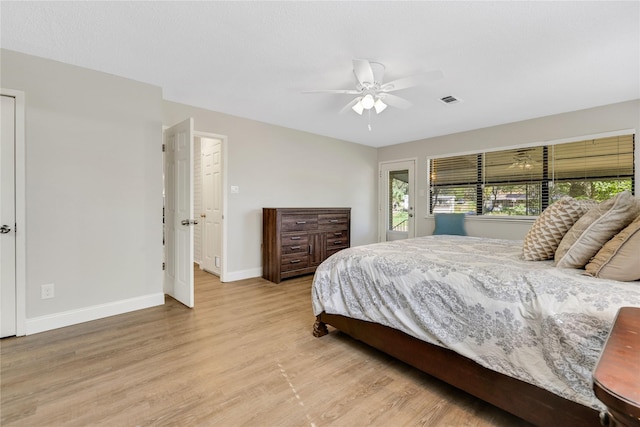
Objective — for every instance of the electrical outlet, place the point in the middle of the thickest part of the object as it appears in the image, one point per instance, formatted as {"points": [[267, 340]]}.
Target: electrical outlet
{"points": [[47, 291]]}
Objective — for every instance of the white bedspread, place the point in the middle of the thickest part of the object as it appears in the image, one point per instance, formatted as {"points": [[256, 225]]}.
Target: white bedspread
{"points": [[478, 297]]}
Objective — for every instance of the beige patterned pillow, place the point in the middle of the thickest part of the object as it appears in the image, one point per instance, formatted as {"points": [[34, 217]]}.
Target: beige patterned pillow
{"points": [[549, 228], [594, 229], [619, 258]]}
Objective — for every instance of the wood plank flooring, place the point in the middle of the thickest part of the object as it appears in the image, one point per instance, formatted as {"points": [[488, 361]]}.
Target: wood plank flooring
{"points": [[244, 356]]}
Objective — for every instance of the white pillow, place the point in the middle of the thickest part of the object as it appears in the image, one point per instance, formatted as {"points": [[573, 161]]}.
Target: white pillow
{"points": [[594, 229], [619, 258]]}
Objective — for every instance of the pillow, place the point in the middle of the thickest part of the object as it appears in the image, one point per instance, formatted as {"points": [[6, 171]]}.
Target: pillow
{"points": [[619, 258], [549, 228], [450, 223], [594, 229]]}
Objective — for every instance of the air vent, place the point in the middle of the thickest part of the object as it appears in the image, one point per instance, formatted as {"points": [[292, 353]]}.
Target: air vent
{"points": [[449, 99]]}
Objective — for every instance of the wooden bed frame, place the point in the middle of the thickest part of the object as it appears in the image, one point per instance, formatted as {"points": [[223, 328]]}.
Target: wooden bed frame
{"points": [[524, 400]]}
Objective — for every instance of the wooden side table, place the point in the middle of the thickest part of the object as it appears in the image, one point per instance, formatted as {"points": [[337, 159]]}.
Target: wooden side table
{"points": [[616, 378]]}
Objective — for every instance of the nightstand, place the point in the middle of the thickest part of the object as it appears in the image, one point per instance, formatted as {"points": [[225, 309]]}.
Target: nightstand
{"points": [[616, 378]]}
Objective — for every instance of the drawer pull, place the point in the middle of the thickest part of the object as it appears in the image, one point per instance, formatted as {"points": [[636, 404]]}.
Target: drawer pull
{"points": [[295, 238], [337, 234], [294, 261], [301, 222], [333, 221], [337, 242], [293, 248]]}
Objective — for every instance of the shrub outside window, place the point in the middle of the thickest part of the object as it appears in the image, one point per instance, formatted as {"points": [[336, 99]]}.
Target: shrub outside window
{"points": [[524, 181]]}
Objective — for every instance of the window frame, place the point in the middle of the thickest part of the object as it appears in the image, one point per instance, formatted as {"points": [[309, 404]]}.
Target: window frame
{"points": [[622, 132]]}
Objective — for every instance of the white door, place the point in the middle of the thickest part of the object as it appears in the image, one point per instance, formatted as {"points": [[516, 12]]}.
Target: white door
{"points": [[212, 204], [179, 220], [397, 197], [7, 219]]}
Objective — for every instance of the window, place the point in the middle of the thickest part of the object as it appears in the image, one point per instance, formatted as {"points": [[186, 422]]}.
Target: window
{"points": [[398, 200], [524, 181]]}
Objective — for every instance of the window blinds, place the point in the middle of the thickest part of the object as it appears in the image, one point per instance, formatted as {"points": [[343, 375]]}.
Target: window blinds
{"points": [[457, 170], [604, 158], [540, 166]]}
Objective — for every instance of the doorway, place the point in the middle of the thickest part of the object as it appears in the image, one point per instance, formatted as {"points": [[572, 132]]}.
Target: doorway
{"points": [[12, 215], [208, 195], [397, 195], [194, 207]]}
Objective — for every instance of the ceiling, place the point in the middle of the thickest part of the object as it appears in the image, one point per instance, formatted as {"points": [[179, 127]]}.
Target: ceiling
{"points": [[505, 61]]}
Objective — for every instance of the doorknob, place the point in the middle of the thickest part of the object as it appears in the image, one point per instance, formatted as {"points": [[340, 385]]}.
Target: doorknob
{"points": [[188, 222], [5, 229]]}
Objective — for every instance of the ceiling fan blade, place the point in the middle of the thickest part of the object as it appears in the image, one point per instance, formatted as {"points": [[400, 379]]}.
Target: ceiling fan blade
{"points": [[343, 91], [362, 70], [395, 101], [410, 81], [350, 104]]}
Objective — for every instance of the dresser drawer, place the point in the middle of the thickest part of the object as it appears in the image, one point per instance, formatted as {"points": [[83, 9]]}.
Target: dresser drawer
{"points": [[337, 242], [295, 248], [335, 221], [289, 239], [338, 234], [294, 261], [299, 222]]}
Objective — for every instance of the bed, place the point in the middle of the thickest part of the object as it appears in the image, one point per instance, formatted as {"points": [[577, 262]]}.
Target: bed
{"points": [[524, 336]]}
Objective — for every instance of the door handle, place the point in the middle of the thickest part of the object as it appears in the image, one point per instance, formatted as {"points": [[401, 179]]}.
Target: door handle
{"points": [[188, 222], [5, 229]]}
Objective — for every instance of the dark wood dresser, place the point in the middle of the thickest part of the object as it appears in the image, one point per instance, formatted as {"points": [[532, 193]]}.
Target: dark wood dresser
{"points": [[616, 378], [296, 240]]}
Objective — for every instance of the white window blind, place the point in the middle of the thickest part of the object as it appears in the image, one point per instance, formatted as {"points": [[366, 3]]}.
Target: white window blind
{"points": [[595, 158], [524, 181]]}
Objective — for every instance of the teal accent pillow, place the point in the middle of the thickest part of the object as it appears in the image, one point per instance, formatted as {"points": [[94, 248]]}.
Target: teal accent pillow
{"points": [[450, 223]]}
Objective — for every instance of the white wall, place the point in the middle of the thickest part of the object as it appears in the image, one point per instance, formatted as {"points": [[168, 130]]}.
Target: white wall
{"points": [[279, 167], [592, 121], [93, 190]]}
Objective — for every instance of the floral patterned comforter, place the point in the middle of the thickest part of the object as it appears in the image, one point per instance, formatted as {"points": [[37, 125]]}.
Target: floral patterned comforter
{"points": [[479, 297]]}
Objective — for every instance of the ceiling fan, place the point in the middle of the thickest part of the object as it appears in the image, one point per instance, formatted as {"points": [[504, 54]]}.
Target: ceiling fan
{"points": [[372, 93], [523, 160]]}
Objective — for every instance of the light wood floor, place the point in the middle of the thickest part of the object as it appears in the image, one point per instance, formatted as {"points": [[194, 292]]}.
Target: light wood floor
{"points": [[244, 356]]}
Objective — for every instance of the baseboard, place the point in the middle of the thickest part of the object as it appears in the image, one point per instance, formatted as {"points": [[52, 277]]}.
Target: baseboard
{"points": [[243, 274], [87, 314]]}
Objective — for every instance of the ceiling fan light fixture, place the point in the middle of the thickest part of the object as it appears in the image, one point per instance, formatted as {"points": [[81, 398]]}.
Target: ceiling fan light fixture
{"points": [[379, 106], [357, 107], [368, 102]]}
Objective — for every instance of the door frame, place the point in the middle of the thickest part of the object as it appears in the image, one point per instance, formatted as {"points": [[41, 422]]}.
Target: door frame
{"points": [[410, 165], [223, 149], [20, 200]]}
